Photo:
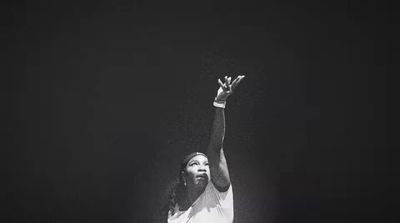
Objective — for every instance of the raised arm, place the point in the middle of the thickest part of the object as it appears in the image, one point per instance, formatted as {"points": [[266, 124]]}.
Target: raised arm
{"points": [[216, 157]]}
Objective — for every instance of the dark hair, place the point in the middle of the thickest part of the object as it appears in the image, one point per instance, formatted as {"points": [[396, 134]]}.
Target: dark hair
{"points": [[176, 194]]}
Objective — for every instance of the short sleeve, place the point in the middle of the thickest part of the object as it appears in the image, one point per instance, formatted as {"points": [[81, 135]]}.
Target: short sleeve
{"points": [[212, 206], [224, 200]]}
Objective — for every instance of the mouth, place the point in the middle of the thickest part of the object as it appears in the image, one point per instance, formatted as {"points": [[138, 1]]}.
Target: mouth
{"points": [[203, 176]]}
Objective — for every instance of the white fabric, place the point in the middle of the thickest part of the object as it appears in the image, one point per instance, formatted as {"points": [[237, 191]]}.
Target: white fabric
{"points": [[212, 206], [218, 104]]}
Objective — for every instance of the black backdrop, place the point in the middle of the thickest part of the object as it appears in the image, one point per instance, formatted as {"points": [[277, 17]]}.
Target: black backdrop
{"points": [[104, 99]]}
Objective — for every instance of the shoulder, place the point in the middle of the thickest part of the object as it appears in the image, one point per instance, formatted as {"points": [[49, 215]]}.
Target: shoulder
{"points": [[222, 201], [220, 193]]}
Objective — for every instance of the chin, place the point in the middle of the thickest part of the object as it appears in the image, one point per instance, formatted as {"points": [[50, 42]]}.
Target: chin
{"points": [[202, 183]]}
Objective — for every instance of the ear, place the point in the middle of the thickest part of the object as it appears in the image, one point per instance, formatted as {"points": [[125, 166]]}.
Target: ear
{"points": [[183, 178]]}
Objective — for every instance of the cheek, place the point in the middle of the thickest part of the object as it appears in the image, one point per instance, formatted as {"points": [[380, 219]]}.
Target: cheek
{"points": [[189, 173]]}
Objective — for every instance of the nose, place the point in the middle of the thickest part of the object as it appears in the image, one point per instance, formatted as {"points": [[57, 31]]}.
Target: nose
{"points": [[202, 168]]}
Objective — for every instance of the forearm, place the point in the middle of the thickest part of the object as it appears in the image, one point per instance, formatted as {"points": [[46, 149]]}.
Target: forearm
{"points": [[217, 131]]}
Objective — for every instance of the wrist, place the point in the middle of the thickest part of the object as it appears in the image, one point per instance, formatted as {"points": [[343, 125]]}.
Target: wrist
{"points": [[219, 104]]}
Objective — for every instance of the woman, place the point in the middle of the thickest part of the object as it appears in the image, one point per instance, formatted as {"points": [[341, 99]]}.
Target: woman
{"points": [[204, 192]]}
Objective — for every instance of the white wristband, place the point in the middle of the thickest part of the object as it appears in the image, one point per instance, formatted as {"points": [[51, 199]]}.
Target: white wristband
{"points": [[219, 105]]}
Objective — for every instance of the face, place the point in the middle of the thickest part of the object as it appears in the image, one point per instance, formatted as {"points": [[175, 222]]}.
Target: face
{"points": [[197, 171]]}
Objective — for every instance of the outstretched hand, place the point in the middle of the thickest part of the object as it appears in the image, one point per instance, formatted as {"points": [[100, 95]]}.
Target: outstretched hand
{"points": [[227, 88]]}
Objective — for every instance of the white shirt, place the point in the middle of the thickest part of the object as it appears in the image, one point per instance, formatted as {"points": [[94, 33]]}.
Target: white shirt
{"points": [[211, 206]]}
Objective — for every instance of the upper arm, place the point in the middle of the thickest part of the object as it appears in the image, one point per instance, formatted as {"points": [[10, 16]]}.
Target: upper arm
{"points": [[219, 170]]}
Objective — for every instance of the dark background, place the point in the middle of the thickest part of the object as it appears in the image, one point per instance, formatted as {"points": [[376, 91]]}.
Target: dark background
{"points": [[104, 98]]}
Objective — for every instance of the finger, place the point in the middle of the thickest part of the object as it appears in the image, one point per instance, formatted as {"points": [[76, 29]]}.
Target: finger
{"points": [[226, 83], [240, 79], [221, 84], [237, 81], [229, 80]]}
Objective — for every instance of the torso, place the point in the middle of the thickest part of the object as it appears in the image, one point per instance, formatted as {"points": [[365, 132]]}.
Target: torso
{"points": [[211, 206]]}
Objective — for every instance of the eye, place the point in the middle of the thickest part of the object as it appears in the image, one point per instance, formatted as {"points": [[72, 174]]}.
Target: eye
{"points": [[192, 164], [206, 164]]}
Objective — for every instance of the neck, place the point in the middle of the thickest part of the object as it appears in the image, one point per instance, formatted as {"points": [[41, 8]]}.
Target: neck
{"points": [[192, 193]]}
